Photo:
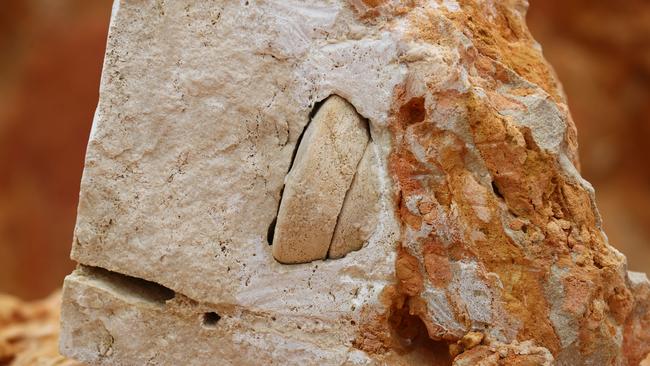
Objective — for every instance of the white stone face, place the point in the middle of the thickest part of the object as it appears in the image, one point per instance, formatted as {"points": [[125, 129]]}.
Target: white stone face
{"points": [[201, 107], [116, 321]]}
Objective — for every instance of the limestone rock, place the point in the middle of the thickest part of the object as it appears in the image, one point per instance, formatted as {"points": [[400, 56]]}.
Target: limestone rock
{"points": [[481, 223]]}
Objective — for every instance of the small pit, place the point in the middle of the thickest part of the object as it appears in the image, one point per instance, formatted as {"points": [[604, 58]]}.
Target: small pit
{"points": [[210, 320]]}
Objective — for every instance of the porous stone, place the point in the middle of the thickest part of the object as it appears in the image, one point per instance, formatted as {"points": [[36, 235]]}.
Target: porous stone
{"points": [[515, 354], [481, 222]]}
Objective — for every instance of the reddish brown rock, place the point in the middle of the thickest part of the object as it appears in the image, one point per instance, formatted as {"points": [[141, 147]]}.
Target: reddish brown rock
{"points": [[515, 354], [600, 50]]}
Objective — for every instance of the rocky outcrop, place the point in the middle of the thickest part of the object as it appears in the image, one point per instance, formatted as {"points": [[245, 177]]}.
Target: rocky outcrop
{"points": [[600, 52], [636, 334], [486, 245]]}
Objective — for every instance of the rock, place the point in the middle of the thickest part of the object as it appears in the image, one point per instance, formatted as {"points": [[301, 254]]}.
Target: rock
{"points": [[515, 354], [317, 184], [599, 50], [481, 222], [636, 334], [358, 217], [471, 340]]}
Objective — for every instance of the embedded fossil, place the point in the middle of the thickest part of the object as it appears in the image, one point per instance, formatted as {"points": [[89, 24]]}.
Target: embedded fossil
{"points": [[358, 216], [318, 191]]}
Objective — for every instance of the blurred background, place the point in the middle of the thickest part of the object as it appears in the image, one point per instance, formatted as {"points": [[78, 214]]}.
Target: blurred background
{"points": [[51, 53]]}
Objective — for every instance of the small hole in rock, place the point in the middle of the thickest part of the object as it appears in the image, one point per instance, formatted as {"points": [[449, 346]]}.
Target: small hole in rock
{"points": [[210, 320], [496, 190], [413, 111], [412, 339]]}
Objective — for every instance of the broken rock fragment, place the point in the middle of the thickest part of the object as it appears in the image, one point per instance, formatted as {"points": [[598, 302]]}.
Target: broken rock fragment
{"points": [[477, 233], [524, 353]]}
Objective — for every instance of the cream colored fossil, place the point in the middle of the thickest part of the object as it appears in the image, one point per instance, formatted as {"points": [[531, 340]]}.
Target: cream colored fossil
{"points": [[315, 188], [358, 216]]}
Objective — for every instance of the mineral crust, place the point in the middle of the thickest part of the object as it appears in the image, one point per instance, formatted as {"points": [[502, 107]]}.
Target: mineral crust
{"points": [[486, 246]]}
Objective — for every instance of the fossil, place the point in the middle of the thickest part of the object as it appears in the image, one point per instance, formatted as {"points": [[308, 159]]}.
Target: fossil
{"points": [[315, 189]]}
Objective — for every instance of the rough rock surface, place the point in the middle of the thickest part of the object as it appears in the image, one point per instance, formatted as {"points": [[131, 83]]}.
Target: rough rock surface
{"points": [[499, 354], [358, 217], [484, 227], [601, 52]]}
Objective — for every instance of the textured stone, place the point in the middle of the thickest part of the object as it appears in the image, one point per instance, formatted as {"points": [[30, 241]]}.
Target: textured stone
{"points": [[636, 334], [601, 52], [516, 354], [483, 223]]}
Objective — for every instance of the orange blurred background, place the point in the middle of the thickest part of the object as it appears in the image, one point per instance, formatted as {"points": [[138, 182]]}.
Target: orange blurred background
{"points": [[51, 54]]}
